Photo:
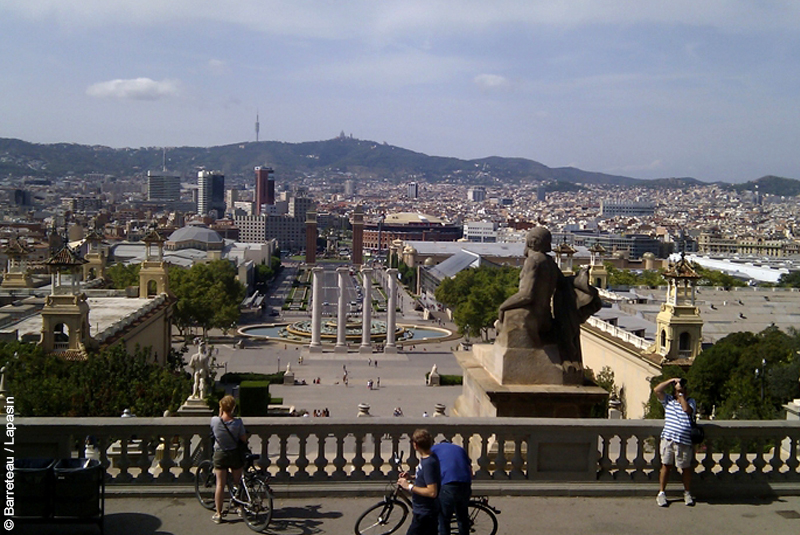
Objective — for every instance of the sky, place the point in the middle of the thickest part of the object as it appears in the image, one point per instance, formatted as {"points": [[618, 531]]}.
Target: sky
{"points": [[649, 89]]}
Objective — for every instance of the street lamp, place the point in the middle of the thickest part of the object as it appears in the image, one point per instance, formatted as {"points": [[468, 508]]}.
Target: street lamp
{"points": [[760, 373]]}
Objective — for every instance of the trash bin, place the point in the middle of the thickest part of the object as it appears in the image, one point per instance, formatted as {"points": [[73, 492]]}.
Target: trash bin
{"points": [[33, 482], [77, 489]]}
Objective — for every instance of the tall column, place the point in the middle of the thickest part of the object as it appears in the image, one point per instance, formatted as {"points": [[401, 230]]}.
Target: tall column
{"points": [[341, 320], [391, 320], [316, 311], [366, 311]]}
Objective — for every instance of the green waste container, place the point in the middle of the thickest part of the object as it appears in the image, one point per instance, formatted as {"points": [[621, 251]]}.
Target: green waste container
{"points": [[78, 488], [33, 482]]}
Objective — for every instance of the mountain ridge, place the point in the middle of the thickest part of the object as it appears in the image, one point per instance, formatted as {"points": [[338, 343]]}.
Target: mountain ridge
{"points": [[341, 156]]}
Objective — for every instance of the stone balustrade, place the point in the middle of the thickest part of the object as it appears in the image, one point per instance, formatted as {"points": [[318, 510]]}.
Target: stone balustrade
{"points": [[613, 330], [513, 454]]}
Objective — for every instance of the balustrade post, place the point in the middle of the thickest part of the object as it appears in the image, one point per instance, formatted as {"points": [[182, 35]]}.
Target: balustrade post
{"points": [[321, 461], [302, 460]]}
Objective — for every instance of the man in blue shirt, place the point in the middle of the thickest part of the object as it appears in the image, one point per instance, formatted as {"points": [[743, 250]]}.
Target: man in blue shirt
{"points": [[676, 439], [456, 486], [425, 488]]}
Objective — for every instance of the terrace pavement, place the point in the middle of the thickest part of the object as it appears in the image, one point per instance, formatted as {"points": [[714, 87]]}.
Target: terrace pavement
{"points": [[182, 515]]}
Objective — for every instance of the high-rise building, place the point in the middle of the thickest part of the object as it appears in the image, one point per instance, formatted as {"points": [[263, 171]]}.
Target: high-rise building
{"points": [[211, 193], [476, 194], [349, 188], [265, 188], [163, 186], [413, 190]]}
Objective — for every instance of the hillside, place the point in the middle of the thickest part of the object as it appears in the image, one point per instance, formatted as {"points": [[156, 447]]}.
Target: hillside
{"points": [[772, 185], [338, 157], [366, 159]]}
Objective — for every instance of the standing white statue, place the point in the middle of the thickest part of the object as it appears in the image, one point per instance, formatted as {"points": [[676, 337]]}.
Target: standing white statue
{"points": [[199, 363]]}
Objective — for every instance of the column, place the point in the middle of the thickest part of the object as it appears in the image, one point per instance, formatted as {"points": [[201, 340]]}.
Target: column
{"points": [[316, 311], [391, 321], [366, 311], [341, 320]]}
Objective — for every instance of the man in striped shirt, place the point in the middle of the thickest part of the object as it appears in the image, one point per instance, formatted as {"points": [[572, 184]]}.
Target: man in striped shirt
{"points": [[676, 440]]}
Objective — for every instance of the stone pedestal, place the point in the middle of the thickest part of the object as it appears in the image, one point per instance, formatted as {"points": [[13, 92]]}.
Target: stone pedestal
{"points": [[483, 395], [194, 407], [288, 378], [434, 379]]}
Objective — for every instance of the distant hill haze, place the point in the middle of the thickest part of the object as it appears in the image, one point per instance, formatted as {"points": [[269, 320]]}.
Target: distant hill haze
{"points": [[361, 158]]}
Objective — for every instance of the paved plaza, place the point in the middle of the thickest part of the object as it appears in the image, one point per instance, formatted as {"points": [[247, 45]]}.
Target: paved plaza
{"points": [[402, 375], [519, 515]]}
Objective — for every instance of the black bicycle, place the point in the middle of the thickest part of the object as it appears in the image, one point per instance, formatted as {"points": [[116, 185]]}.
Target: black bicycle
{"points": [[390, 513], [253, 498]]}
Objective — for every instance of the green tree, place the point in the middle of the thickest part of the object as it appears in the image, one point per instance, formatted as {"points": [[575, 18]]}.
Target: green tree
{"points": [[408, 275], [790, 280], [123, 275], [208, 295], [475, 294], [710, 277], [730, 376], [105, 384], [626, 277]]}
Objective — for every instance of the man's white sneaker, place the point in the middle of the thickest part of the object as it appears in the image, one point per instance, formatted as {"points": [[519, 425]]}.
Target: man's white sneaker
{"points": [[661, 499], [687, 498]]}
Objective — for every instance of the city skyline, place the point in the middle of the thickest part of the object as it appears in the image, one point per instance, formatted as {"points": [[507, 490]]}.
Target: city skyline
{"points": [[649, 91]]}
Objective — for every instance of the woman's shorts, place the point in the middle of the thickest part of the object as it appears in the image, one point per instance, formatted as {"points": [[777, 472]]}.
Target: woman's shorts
{"points": [[676, 454], [227, 459]]}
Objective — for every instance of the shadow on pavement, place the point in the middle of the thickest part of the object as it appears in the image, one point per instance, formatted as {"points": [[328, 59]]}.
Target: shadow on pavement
{"points": [[116, 523], [300, 520]]}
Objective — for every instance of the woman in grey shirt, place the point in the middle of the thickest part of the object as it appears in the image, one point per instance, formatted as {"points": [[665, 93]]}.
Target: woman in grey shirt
{"points": [[227, 432]]}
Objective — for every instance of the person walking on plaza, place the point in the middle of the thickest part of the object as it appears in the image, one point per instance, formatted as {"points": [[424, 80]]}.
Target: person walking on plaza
{"points": [[228, 432], [456, 486], [676, 440], [425, 488]]}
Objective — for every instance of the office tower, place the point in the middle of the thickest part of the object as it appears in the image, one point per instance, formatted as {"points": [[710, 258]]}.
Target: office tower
{"points": [[349, 188], [476, 194], [211, 193], [265, 187], [413, 190], [541, 192], [163, 186]]}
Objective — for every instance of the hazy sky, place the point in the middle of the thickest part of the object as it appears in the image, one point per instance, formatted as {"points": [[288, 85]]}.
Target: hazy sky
{"points": [[702, 88]]}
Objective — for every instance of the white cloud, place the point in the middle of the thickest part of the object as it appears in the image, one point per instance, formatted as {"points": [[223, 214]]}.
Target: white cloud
{"points": [[488, 82], [217, 67], [134, 89]]}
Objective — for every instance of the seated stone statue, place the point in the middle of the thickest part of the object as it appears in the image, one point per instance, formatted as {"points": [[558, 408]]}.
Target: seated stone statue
{"points": [[548, 308]]}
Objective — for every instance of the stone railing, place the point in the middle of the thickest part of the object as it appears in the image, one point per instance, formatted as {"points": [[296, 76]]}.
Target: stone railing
{"points": [[513, 455], [636, 341]]}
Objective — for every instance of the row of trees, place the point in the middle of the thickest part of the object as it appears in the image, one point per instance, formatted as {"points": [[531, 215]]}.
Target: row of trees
{"points": [[743, 376], [474, 296], [208, 294], [109, 382]]}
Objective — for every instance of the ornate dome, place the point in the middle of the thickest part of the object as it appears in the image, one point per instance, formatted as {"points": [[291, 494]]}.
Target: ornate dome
{"points": [[195, 236]]}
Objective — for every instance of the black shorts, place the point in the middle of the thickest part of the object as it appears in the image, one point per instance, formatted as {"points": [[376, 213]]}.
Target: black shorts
{"points": [[224, 459]]}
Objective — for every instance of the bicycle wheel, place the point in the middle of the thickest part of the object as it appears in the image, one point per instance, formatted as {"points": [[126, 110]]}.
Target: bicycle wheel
{"points": [[205, 484], [382, 518], [258, 511], [482, 520]]}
